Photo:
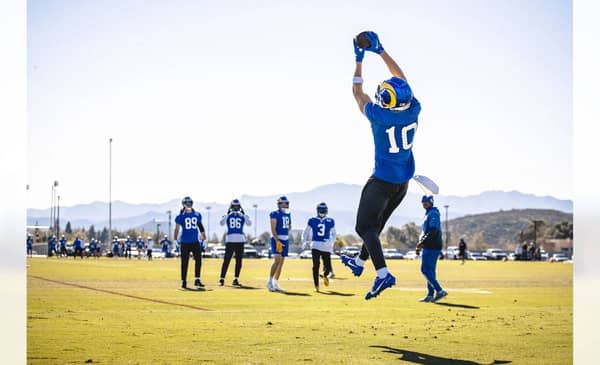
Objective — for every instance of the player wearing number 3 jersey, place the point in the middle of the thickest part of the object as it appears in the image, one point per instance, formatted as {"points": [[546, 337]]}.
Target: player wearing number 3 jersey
{"points": [[235, 219], [190, 223], [394, 120]]}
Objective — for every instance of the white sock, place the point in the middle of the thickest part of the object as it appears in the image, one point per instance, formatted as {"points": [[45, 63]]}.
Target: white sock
{"points": [[359, 262], [275, 282], [382, 273], [236, 278], [270, 281], [197, 278]]}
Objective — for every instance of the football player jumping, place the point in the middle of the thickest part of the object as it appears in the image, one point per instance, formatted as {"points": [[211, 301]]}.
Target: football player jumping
{"points": [[393, 118]]}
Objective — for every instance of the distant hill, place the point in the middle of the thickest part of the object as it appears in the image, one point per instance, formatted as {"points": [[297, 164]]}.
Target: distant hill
{"points": [[500, 228], [342, 200]]}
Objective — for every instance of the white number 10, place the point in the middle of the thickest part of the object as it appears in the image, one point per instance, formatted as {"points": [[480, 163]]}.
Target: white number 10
{"points": [[391, 132]]}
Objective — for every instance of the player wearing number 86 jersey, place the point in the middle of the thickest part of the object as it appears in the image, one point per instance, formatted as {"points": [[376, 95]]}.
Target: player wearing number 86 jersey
{"points": [[394, 120], [235, 219]]}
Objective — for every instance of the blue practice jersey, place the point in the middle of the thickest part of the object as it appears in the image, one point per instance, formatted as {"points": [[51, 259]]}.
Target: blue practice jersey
{"points": [[165, 244], [63, 242], [77, 243], [235, 223], [128, 243], [29, 242], [432, 229], [393, 134], [139, 243], [92, 246], [284, 221], [321, 228], [190, 223]]}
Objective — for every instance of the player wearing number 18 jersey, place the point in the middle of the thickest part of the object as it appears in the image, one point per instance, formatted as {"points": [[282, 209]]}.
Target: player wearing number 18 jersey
{"points": [[235, 219], [394, 120], [281, 225], [190, 223]]}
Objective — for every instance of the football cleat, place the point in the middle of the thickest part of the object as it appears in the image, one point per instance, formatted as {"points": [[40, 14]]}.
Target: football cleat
{"points": [[380, 285], [351, 263], [197, 282], [271, 287], [439, 295], [183, 284], [325, 280], [426, 299], [221, 282], [236, 283]]}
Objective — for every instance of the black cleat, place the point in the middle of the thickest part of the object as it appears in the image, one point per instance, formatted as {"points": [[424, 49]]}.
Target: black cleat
{"points": [[221, 282], [183, 284], [236, 283], [197, 282]]}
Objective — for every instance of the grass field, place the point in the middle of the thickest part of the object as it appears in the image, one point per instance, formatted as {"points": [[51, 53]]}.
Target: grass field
{"points": [[496, 313]]}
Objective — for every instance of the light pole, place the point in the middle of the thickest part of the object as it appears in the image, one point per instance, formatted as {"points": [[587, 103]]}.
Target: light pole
{"points": [[57, 216], [255, 206], [169, 232], [208, 223], [110, 190], [446, 207]]}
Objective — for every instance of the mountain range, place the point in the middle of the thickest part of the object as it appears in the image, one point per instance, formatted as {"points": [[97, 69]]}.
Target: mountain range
{"points": [[342, 200]]}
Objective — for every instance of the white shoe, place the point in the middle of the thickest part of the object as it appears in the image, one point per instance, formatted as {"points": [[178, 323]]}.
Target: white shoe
{"points": [[271, 287], [278, 288], [426, 299], [439, 295]]}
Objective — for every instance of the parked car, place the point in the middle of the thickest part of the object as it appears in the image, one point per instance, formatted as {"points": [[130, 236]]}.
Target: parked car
{"points": [[350, 251], [264, 252], [306, 254], [293, 255], [475, 256], [412, 255], [495, 254], [217, 252], [452, 253], [250, 251], [392, 254], [559, 257]]}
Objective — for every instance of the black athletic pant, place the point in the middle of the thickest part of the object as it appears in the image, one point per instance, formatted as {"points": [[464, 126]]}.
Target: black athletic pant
{"points": [[377, 202], [78, 251], [316, 258], [128, 252], [194, 248], [230, 249]]}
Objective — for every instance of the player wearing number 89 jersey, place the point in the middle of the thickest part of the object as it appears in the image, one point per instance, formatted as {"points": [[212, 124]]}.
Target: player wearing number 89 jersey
{"points": [[190, 223], [235, 219], [394, 120]]}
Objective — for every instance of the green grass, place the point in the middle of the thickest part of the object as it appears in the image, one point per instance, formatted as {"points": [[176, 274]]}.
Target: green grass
{"points": [[511, 312]]}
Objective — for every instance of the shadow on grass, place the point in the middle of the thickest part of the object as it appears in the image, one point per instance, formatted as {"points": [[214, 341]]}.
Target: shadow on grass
{"points": [[195, 289], [465, 306], [331, 292], [424, 359], [246, 287], [291, 293]]}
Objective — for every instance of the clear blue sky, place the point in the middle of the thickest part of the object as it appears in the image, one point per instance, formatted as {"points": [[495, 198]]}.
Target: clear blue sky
{"points": [[216, 100]]}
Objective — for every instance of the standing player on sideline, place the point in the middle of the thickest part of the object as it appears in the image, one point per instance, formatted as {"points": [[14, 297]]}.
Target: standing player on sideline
{"points": [[29, 245], [431, 244], [77, 245], [320, 232], [139, 244], [128, 247], [165, 246], [149, 247], [281, 225], [63, 246], [235, 239], [115, 246], [462, 250], [393, 122], [190, 222]]}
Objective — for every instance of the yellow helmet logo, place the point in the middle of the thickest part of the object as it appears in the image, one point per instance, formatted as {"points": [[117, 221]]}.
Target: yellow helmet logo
{"points": [[390, 89]]}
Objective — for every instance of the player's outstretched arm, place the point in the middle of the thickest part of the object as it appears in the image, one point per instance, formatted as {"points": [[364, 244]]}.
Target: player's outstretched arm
{"points": [[392, 65], [357, 90]]}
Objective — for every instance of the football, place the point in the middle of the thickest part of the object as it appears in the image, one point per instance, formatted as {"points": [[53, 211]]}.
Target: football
{"points": [[362, 41]]}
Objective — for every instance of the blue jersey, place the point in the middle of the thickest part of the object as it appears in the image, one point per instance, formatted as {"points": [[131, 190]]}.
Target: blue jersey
{"points": [[284, 221], [115, 246], [139, 243], [77, 243], [165, 244], [235, 223], [432, 229], [128, 243], [92, 246], [321, 228], [393, 134], [63, 243], [29, 242], [190, 223]]}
